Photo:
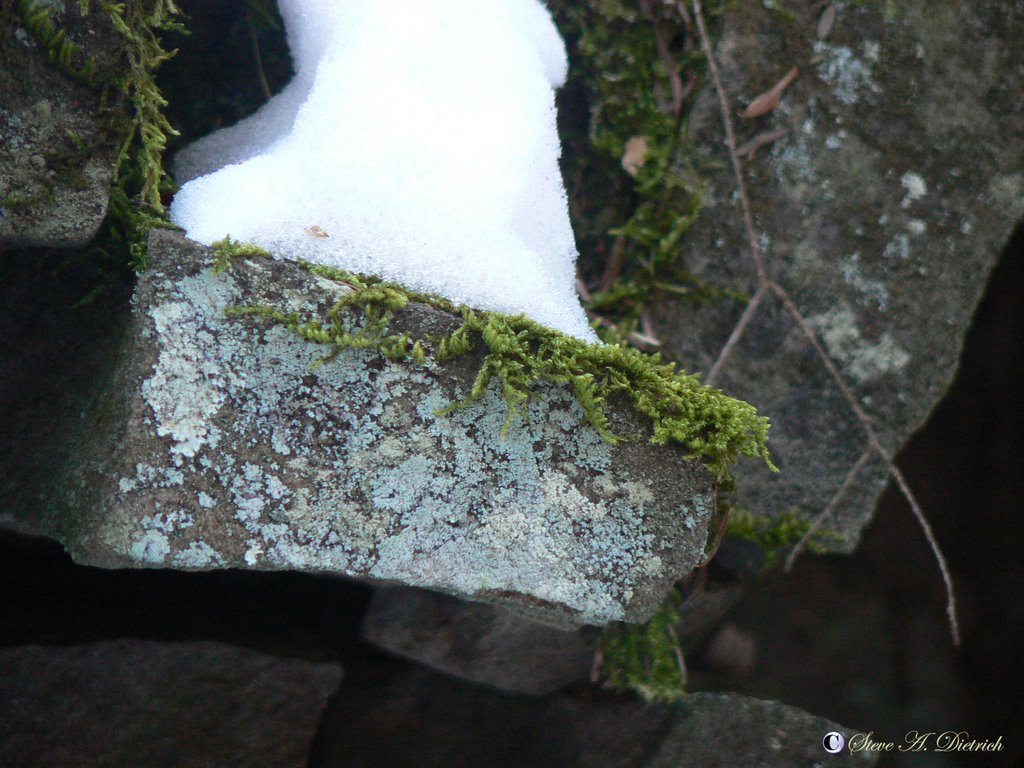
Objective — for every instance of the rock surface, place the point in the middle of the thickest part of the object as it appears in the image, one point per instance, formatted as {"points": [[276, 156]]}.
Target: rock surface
{"points": [[881, 211], [217, 442], [480, 643], [56, 157], [141, 703], [419, 718]]}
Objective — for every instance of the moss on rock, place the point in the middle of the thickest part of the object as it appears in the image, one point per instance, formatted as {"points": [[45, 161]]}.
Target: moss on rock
{"points": [[715, 428]]}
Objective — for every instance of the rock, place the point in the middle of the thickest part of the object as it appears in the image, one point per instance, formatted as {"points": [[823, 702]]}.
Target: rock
{"points": [[140, 703], [881, 211], [725, 729], [57, 157], [419, 718], [477, 642], [218, 442]]}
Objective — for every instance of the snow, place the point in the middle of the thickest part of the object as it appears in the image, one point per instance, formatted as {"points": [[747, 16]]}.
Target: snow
{"points": [[417, 141]]}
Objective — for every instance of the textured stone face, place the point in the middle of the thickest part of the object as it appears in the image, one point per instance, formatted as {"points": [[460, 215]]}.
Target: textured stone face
{"points": [[880, 210], [421, 718], [220, 442], [134, 702], [477, 642], [56, 159]]}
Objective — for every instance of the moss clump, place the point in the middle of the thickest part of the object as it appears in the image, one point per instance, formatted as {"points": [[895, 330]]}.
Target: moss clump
{"points": [[519, 353], [776, 533], [131, 110], [633, 64], [143, 128], [646, 659]]}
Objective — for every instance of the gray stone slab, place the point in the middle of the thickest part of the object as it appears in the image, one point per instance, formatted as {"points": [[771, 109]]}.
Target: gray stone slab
{"points": [[418, 718], [56, 156], [218, 442], [881, 210], [477, 642], [142, 704]]}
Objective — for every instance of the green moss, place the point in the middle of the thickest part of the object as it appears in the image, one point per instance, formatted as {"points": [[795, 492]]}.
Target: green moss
{"points": [[775, 533], [65, 53], [646, 659], [131, 110], [143, 128], [628, 59], [519, 353]]}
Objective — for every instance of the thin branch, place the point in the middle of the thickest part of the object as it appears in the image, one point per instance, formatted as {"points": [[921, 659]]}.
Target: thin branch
{"points": [[616, 261], [947, 577], [737, 333], [677, 649], [730, 136], [763, 282], [827, 512]]}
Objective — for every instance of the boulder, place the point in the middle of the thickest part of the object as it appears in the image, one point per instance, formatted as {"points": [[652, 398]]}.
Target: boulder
{"points": [[416, 717], [881, 209], [143, 703], [477, 642], [217, 441], [57, 156]]}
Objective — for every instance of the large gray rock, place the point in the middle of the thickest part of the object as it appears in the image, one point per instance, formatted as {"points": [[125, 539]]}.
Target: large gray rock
{"points": [[477, 642], [141, 704], [418, 718], [216, 442], [56, 155], [881, 210]]}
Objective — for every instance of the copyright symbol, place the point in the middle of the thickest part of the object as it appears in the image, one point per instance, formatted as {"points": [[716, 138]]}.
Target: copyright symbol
{"points": [[833, 742]]}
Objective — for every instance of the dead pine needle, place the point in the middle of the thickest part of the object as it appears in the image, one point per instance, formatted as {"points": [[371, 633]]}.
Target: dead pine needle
{"points": [[765, 284]]}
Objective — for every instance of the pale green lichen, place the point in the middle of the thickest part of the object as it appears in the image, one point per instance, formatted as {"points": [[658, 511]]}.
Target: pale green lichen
{"points": [[519, 353]]}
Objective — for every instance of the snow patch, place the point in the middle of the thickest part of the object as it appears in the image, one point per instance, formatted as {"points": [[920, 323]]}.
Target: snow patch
{"points": [[418, 142]]}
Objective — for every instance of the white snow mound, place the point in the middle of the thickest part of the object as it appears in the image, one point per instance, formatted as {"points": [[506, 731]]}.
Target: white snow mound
{"points": [[417, 142]]}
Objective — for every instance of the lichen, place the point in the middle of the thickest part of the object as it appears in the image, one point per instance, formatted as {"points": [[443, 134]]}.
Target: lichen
{"points": [[519, 353]]}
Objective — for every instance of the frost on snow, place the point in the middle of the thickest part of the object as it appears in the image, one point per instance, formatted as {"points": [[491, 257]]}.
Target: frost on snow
{"points": [[418, 142]]}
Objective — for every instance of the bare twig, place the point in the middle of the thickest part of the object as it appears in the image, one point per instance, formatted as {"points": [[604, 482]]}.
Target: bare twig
{"points": [[829, 508], [737, 333], [730, 137], [763, 283], [613, 267], [677, 649]]}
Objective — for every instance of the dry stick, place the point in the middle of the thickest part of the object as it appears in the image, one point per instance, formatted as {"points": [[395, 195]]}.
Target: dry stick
{"points": [[763, 280], [832, 504], [677, 649], [737, 332]]}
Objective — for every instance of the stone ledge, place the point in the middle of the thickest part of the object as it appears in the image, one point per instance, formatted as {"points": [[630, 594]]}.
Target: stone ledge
{"points": [[218, 442]]}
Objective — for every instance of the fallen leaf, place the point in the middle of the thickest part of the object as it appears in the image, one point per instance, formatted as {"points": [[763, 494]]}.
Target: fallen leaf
{"points": [[825, 22], [765, 137], [769, 100], [635, 155]]}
